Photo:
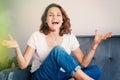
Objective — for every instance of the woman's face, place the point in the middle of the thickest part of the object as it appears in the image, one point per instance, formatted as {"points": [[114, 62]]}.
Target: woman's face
{"points": [[54, 18]]}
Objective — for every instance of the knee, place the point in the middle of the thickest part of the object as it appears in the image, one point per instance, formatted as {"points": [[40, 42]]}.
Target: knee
{"points": [[57, 50]]}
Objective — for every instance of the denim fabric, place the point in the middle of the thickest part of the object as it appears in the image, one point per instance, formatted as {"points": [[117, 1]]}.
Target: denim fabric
{"points": [[92, 71], [57, 58], [63, 76]]}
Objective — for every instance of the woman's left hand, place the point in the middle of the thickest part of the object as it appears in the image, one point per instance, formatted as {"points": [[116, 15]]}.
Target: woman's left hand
{"points": [[100, 37]]}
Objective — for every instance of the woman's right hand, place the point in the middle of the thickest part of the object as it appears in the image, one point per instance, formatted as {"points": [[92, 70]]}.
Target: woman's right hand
{"points": [[12, 43]]}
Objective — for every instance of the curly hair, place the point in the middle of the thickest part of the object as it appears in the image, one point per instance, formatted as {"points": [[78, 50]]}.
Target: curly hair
{"points": [[64, 29]]}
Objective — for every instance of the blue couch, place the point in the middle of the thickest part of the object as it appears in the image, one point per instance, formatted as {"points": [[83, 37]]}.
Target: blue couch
{"points": [[106, 57]]}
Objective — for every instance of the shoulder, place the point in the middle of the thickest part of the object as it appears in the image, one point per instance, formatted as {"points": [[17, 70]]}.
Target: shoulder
{"points": [[36, 37]]}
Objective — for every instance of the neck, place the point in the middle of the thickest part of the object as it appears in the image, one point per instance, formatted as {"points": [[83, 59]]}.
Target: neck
{"points": [[54, 34], [54, 38]]}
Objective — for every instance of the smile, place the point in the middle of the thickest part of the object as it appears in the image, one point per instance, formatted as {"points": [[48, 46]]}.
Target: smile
{"points": [[55, 22]]}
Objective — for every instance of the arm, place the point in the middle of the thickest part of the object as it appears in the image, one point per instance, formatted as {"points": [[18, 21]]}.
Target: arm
{"points": [[23, 60], [84, 60]]}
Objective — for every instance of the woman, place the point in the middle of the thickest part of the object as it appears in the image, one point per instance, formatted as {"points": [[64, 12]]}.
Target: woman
{"points": [[50, 48]]}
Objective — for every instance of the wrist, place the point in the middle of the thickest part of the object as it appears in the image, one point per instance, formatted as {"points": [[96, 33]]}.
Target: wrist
{"points": [[17, 47], [94, 47]]}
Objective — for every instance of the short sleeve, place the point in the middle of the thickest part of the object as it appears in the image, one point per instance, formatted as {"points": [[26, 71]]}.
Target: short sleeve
{"points": [[74, 42], [31, 41]]}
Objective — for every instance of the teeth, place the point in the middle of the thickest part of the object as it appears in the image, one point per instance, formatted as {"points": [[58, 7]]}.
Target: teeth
{"points": [[54, 22]]}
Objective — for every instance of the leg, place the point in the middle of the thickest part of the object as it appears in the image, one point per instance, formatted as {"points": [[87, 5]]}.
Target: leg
{"points": [[57, 58], [92, 71], [63, 75]]}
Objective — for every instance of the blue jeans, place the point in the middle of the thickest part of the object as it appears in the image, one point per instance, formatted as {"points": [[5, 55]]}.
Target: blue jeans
{"points": [[50, 68], [92, 71]]}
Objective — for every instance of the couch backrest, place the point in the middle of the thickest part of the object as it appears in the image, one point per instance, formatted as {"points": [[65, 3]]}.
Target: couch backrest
{"points": [[106, 56]]}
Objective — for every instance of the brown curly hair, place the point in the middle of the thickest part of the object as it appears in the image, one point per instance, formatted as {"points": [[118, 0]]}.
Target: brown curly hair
{"points": [[64, 29]]}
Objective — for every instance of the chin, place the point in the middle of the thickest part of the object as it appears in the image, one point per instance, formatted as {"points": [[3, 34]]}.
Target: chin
{"points": [[52, 30]]}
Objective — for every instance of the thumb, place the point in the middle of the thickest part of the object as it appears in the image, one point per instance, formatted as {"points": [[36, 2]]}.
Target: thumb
{"points": [[96, 32], [10, 36]]}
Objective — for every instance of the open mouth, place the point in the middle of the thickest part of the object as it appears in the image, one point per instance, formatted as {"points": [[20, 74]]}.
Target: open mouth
{"points": [[55, 22]]}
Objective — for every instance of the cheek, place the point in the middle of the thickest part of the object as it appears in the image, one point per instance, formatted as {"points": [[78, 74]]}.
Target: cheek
{"points": [[48, 21], [49, 24], [62, 20]]}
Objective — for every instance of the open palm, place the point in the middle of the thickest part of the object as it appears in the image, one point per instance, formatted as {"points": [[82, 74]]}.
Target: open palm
{"points": [[10, 43], [99, 38]]}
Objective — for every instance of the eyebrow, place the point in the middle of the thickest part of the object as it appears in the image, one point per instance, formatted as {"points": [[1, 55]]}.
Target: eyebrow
{"points": [[53, 13]]}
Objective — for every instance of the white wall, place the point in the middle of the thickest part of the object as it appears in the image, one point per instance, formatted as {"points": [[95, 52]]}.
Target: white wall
{"points": [[85, 15]]}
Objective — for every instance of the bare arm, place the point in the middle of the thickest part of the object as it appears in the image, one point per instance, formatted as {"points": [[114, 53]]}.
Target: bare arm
{"points": [[84, 60], [23, 60]]}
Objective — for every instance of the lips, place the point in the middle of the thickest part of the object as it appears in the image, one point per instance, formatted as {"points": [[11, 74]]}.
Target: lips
{"points": [[55, 22]]}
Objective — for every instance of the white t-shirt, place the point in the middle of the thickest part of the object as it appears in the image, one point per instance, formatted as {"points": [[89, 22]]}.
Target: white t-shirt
{"points": [[38, 42]]}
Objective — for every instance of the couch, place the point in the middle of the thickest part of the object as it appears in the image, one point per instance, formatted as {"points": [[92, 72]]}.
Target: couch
{"points": [[106, 57]]}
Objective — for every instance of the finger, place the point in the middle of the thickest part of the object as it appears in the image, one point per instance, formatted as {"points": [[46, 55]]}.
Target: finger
{"points": [[10, 36], [96, 32], [108, 35], [4, 44], [103, 37]]}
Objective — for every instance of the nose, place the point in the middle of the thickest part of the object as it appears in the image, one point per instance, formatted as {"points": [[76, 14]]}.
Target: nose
{"points": [[54, 16]]}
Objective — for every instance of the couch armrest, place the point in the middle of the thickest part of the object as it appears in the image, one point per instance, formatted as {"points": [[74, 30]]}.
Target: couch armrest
{"points": [[15, 74]]}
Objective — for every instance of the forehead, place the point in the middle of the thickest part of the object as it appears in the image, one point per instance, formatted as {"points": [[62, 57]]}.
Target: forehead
{"points": [[54, 10]]}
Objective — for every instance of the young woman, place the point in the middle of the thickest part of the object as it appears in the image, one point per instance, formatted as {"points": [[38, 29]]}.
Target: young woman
{"points": [[50, 48]]}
